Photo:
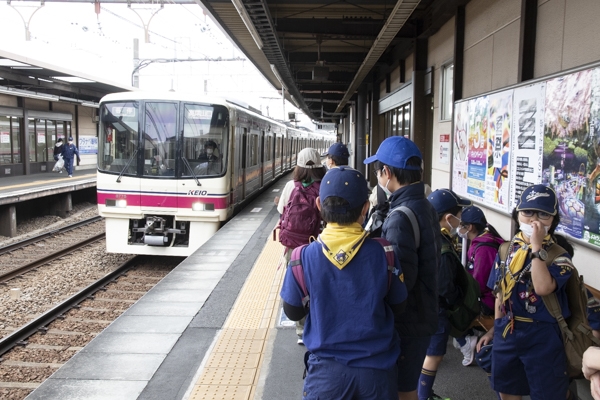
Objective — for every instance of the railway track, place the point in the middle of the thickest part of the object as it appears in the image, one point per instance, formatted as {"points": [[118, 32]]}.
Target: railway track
{"points": [[31, 353], [23, 256]]}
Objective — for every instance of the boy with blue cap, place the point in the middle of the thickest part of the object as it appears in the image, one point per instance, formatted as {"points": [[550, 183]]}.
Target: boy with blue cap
{"points": [[448, 206], [354, 298], [337, 155], [397, 165], [528, 355]]}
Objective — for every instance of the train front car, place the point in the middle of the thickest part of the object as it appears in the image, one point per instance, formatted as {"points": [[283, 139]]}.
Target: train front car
{"points": [[163, 186]]}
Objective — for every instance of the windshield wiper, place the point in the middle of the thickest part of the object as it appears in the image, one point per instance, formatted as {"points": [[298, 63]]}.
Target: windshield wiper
{"points": [[126, 166], [187, 163]]}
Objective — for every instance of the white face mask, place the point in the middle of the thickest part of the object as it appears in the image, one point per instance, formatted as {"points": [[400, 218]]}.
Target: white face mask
{"points": [[385, 188], [462, 235], [209, 151], [528, 229], [454, 230]]}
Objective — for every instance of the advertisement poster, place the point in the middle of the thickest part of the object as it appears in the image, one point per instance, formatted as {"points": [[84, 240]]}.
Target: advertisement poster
{"points": [[498, 131], [88, 145], [41, 137], [4, 137], [567, 142], [528, 139], [445, 149], [459, 162], [477, 148]]}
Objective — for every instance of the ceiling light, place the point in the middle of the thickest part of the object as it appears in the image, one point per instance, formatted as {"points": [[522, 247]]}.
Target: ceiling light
{"points": [[5, 62], [239, 6], [90, 104], [274, 69], [72, 79]]}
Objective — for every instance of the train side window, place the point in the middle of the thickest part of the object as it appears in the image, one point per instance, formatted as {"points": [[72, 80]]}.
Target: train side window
{"points": [[205, 129]]}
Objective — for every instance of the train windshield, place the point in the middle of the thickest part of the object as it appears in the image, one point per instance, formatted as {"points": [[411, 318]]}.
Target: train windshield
{"points": [[153, 151], [118, 142]]}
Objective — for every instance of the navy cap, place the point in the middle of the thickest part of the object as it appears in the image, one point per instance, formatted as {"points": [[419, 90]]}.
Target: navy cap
{"points": [[473, 215], [538, 198], [347, 183], [445, 199], [70, 138], [338, 150], [395, 151]]}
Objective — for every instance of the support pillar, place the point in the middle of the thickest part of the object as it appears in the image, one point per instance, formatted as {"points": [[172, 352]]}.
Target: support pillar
{"points": [[361, 129], [61, 205], [8, 221]]}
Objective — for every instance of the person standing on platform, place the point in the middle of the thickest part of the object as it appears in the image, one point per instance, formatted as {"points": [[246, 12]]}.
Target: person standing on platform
{"points": [[397, 165], [68, 153], [354, 299], [58, 149], [449, 208], [337, 155], [294, 221], [528, 354]]}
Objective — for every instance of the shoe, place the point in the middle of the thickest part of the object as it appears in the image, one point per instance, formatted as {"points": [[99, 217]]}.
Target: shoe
{"points": [[468, 350], [70, 176], [300, 341], [455, 344], [60, 172], [436, 397]]}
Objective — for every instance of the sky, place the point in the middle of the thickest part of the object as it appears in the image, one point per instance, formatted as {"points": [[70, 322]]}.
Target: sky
{"points": [[73, 36]]}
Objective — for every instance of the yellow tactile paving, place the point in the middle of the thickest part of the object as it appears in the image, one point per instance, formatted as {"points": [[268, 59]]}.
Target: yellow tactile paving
{"points": [[231, 371]]}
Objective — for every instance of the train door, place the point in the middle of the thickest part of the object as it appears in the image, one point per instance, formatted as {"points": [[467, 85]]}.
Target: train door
{"points": [[262, 151], [243, 161]]}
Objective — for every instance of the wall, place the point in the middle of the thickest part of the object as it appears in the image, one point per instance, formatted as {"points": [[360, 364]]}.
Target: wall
{"points": [[566, 35], [491, 45], [441, 51], [8, 101]]}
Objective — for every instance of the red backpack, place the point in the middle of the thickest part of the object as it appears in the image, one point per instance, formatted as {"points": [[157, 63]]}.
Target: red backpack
{"points": [[301, 218]]}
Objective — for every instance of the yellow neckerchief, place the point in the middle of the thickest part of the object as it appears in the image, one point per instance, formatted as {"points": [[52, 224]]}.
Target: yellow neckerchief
{"points": [[517, 263], [340, 243]]}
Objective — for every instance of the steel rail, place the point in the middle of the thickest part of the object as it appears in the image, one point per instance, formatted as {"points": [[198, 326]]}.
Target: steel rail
{"points": [[22, 243], [20, 335], [50, 257]]}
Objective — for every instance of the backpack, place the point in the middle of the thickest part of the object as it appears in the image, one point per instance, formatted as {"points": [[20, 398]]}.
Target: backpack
{"points": [[576, 331], [380, 213], [301, 219], [462, 314], [298, 270]]}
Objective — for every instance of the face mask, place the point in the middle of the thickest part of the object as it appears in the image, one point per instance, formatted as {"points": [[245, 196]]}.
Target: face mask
{"points": [[454, 230], [462, 235], [385, 188], [528, 229], [209, 151]]}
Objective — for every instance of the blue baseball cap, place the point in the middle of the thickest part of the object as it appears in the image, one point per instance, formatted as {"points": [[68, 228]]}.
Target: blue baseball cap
{"points": [[445, 199], [538, 198], [395, 151], [347, 183], [473, 215], [70, 138], [338, 150]]}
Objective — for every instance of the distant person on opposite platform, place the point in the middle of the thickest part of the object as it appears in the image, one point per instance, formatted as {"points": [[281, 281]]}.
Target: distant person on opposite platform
{"points": [[68, 153]]}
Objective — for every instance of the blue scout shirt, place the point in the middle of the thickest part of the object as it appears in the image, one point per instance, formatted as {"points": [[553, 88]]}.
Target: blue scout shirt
{"points": [[532, 306], [349, 320]]}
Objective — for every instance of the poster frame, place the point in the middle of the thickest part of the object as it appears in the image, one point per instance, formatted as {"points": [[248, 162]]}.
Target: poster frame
{"points": [[540, 80]]}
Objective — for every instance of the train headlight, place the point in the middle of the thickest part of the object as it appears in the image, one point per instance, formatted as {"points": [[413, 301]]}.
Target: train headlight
{"points": [[203, 207], [121, 203]]}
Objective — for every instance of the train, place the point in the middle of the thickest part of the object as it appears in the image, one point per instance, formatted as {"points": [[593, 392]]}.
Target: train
{"points": [[173, 167]]}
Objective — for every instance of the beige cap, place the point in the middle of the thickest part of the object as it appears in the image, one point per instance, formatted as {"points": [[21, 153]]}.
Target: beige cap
{"points": [[309, 154]]}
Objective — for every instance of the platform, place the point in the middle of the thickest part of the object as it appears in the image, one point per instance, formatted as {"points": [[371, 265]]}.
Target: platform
{"points": [[214, 329]]}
